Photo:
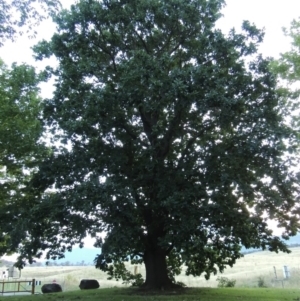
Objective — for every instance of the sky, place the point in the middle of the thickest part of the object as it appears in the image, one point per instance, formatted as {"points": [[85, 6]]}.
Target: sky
{"points": [[269, 14], [272, 15]]}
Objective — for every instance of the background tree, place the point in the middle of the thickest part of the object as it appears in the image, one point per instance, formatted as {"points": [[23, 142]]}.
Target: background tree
{"points": [[20, 149], [17, 15], [288, 66], [170, 142]]}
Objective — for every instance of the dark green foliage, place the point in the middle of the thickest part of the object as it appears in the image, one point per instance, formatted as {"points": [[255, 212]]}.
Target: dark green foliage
{"points": [[261, 282], [118, 271], [20, 148], [172, 140], [225, 282]]}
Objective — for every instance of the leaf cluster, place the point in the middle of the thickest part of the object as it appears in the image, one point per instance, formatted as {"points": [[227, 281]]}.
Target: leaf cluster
{"points": [[225, 282], [20, 146], [15, 15], [118, 270]]}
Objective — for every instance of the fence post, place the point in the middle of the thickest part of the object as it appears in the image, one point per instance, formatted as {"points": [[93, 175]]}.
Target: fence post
{"points": [[275, 272], [33, 287]]}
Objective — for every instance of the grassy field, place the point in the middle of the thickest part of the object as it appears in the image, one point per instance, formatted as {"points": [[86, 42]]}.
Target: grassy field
{"points": [[246, 272], [195, 294]]}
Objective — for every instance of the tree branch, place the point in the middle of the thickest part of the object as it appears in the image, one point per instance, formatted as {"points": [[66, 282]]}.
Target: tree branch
{"points": [[143, 42]]}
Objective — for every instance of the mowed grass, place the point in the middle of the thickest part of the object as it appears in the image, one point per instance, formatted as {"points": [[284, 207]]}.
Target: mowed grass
{"points": [[190, 294]]}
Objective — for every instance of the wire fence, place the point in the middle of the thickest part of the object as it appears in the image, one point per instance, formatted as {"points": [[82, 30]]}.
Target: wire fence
{"points": [[17, 286]]}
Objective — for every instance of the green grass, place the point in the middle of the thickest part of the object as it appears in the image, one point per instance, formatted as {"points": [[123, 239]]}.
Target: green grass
{"points": [[189, 294]]}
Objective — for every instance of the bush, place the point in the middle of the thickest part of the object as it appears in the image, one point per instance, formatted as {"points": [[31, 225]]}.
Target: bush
{"points": [[118, 271], [225, 282], [261, 282], [180, 283]]}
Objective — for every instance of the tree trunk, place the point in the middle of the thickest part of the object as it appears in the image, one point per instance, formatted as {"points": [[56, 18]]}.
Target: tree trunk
{"points": [[156, 270]]}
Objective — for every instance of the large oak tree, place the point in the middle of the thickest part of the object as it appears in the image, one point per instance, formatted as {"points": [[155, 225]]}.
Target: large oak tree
{"points": [[171, 139]]}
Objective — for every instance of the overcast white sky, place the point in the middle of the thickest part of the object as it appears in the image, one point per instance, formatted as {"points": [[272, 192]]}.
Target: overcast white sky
{"points": [[269, 14]]}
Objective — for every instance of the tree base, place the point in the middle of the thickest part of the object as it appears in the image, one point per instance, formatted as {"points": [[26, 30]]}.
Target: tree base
{"points": [[146, 287]]}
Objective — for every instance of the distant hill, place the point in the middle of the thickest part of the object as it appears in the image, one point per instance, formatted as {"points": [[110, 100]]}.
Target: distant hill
{"points": [[82, 256], [86, 256], [294, 241], [78, 256]]}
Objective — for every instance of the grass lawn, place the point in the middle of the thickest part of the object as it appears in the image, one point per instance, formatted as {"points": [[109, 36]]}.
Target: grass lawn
{"points": [[186, 294]]}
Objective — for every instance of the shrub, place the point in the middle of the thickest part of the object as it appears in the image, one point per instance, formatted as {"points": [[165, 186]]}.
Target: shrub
{"points": [[225, 282], [261, 282], [118, 271], [182, 284]]}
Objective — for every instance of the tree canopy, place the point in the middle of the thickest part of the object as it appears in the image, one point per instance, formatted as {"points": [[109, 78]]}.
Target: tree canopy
{"points": [[17, 15], [171, 139], [20, 149], [288, 65], [287, 70]]}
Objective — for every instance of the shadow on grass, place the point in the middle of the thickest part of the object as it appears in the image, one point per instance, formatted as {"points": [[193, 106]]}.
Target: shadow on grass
{"points": [[162, 292], [186, 294]]}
